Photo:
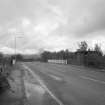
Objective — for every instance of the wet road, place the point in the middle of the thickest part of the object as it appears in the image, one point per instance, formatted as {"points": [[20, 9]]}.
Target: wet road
{"points": [[52, 84], [36, 91]]}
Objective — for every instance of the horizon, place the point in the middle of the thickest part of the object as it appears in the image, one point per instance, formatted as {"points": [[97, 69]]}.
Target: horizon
{"points": [[7, 50]]}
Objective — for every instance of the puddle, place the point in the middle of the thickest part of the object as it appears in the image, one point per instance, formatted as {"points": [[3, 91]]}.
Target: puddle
{"points": [[34, 93], [34, 89], [37, 95]]}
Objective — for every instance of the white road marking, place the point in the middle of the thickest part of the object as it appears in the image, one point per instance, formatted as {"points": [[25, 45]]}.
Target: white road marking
{"points": [[55, 77], [95, 80], [43, 85]]}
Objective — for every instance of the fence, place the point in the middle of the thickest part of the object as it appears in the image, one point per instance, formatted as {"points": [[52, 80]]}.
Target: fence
{"points": [[57, 61]]}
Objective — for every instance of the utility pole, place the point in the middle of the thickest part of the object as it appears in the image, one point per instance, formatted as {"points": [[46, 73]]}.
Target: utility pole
{"points": [[14, 59], [15, 48]]}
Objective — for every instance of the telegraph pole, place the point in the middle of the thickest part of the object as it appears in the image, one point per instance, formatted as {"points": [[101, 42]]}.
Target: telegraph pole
{"points": [[14, 59], [15, 48]]}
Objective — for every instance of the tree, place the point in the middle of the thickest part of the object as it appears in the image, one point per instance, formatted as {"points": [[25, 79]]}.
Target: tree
{"points": [[19, 57], [45, 56], [83, 46], [97, 48], [1, 57]]}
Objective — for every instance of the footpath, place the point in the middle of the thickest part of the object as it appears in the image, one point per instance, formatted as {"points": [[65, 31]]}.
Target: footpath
{"points": [[14, 95]]}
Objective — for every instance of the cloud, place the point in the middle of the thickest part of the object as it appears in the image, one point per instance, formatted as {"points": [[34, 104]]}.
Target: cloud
{"points": [[82, 16], [7, 50], [47, 24], [90, 17]]}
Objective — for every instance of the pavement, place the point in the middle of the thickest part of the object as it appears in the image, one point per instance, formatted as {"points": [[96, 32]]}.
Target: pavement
{"points": [[36, 83], [13, 95]]}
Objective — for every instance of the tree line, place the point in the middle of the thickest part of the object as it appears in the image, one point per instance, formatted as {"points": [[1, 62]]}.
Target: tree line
{"points": [[82, 56]]}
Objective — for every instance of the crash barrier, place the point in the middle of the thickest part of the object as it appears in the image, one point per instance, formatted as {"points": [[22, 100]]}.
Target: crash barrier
{"points": [[57, 61]]}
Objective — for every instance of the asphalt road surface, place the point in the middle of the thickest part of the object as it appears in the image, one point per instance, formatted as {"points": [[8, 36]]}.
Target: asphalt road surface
{"points": [[55, 84]]}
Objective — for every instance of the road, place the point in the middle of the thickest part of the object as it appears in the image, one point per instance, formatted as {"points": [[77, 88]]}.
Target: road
{"points": [[56, 84]]}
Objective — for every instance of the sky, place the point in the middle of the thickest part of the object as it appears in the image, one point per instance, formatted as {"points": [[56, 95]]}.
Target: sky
{"points": [[50, 24]]}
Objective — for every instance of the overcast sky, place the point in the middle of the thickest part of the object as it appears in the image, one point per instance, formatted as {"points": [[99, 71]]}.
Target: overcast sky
{"points": [[51, 24]]}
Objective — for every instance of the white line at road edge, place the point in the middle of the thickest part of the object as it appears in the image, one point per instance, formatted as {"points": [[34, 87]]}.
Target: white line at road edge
{"points": [[95, 80], [43, 85]]}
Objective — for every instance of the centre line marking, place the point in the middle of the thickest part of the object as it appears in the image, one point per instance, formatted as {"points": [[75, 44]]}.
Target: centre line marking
{"points": [[43, 85], [95, 80]]}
